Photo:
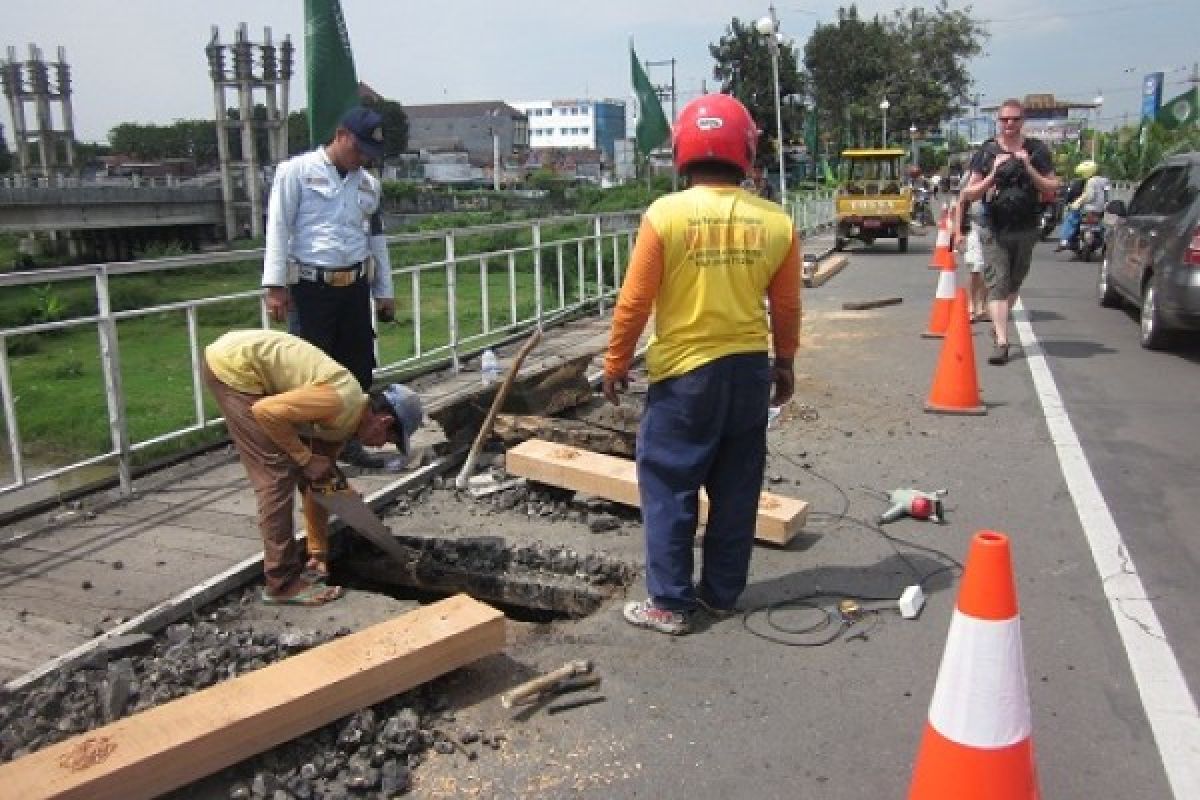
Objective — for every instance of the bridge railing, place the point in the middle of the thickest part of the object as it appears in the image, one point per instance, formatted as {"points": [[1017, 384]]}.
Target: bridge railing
{"points": [[130, 373], [456, 292]]}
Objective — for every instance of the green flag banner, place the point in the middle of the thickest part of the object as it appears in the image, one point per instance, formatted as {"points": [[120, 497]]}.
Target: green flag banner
{"points": [[329, 68], [1182, 111], [652, 128]]}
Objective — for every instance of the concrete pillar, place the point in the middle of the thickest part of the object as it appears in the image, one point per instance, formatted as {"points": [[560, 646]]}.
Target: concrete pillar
{"points": [[216, 68], [14, 91], [270, 73], [64, 99], [243, 66], [285, 77], [39, 80]]}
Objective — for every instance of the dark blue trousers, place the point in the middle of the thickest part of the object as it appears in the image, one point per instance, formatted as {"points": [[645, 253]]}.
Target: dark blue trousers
{"points": [[708, 429], [337, 319]]}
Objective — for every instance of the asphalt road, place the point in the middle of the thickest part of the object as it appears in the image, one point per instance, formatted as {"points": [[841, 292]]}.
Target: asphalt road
{"points": [[1136, 415], [725, 713]]}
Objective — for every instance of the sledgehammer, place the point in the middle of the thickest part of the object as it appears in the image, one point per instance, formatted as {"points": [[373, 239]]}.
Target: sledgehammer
{"points": [[539, 685]]}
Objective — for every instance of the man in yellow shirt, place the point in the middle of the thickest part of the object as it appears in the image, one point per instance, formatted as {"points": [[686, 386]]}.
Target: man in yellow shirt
{"points": [[289, 409], [706, 260]]}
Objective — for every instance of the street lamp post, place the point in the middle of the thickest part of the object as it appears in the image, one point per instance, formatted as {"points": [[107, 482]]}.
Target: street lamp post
{"points": [[768, 27], [661, 92], [884, 105], [495, 150], [1099, 103], [912, 134]]}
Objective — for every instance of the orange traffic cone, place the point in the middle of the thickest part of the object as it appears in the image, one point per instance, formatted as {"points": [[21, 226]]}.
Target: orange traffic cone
{"points": [[943, 299], [943, 255], [955, 387], [978, 737]]}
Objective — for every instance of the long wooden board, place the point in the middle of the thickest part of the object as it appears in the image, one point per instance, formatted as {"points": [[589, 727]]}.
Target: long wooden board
{"points": [[779, 518], [174, 744]]}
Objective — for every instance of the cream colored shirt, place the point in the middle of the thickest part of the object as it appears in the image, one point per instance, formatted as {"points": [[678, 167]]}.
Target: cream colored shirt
{"points": [[304, 392]]}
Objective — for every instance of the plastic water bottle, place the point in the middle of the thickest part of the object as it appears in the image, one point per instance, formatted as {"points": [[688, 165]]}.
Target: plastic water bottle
{"points": [[490, 367]]}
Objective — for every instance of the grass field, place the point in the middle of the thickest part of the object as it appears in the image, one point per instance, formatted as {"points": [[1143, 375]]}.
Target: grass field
{"points": [[57, 377]]}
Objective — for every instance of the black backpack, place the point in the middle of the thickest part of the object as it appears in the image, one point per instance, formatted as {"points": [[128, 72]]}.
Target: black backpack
{"points": [[1014, 204]]}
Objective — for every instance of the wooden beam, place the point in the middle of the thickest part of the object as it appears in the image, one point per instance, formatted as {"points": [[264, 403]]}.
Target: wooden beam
{"points": [[779, 518], [174, 744], [186, 602]]}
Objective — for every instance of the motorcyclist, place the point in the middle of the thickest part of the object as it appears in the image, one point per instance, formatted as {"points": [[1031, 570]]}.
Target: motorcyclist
{"points": [[1093, 194]]}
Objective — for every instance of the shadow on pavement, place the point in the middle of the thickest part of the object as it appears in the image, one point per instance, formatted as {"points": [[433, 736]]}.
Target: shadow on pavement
{"points": [[1074, 348]]}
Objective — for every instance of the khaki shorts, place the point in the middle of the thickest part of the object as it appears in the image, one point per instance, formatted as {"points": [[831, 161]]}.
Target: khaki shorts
{"points": [[1007, 256]]}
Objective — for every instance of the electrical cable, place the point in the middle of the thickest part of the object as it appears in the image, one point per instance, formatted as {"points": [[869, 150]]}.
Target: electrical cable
{"points": [[834, 620]]}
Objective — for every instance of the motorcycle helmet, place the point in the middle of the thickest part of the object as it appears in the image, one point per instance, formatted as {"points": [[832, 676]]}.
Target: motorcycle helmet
{"points": [[1086, 169], [715, 127]]}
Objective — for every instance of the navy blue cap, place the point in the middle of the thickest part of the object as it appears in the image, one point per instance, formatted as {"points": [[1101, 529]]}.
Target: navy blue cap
{"points": [[367, 127]]}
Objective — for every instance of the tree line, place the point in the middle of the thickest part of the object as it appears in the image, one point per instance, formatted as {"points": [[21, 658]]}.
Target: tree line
{"points": [[196, 139], [915, 58]]}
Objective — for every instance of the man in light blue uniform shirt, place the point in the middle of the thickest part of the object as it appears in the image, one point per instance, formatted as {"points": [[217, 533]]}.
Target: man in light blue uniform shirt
{"points": [[326, 255]]}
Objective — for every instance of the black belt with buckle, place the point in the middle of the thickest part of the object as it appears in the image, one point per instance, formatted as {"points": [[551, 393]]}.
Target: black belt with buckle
{"points": [[331, 276]]}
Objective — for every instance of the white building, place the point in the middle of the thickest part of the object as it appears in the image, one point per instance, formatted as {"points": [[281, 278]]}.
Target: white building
{"points": [[578, 124]]}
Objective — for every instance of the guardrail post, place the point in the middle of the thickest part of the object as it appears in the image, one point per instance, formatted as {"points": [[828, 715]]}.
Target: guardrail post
{"points": [[599, 266], [10, 414], [484, 295], [581, 268], [537, 274], [110, 363], [562, 278], [452, 302], [194, 352]]}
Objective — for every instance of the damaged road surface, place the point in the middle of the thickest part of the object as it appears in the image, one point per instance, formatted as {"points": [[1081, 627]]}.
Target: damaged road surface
{"points": [[804, 694]]}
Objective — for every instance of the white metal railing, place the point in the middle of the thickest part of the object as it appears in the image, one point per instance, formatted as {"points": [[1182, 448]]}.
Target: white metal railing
{"points": [[812, 211], [570, 265]]}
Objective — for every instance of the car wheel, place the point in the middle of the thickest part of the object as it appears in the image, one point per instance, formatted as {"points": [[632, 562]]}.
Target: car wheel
{"points": [[839, 244], [1104, 289], [1155, 335], [903, 244], [1085, 253]]}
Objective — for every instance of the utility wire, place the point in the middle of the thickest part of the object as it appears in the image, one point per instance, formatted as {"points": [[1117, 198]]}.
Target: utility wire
{"points": [[833, 618]]}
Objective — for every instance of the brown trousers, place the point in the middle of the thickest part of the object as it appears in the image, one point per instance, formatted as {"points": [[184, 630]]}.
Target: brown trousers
{"points": [[275, 478]]}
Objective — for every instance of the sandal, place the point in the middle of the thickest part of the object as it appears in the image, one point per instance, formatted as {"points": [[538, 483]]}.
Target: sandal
{"points": [[314, 594], [999, 355]]}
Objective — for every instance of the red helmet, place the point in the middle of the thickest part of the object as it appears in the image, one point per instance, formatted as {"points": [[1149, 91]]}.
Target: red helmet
{"points": [[715, 127]]}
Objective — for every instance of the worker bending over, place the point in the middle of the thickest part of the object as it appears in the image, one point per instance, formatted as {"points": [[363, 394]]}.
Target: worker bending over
{"points": [[289, 409]]}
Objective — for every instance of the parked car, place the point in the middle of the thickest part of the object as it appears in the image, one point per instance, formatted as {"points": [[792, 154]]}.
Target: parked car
{"points": [[1152, 258]]}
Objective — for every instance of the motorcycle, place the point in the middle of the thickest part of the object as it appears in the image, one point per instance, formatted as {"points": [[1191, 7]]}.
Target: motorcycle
{"points": [[1091, 234], [1051, 214], [922, 206]]}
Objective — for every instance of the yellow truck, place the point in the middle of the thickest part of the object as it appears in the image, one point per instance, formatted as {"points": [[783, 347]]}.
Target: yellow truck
{"points": [[873, 201]]}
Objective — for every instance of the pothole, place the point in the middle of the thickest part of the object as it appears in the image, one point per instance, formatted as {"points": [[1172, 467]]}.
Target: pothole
{"points": [[528, 583]]}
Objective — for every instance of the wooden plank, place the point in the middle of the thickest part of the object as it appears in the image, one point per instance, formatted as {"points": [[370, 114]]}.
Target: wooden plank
{"points": [[779, 518], [171, 745], [865, 305], [199, 595]]}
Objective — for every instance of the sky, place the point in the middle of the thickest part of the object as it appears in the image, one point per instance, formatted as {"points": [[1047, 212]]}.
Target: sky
{"points": [[143, 60]]}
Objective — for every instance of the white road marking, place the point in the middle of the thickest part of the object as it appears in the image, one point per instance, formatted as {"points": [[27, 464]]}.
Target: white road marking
{"points": [[1168, 703]]}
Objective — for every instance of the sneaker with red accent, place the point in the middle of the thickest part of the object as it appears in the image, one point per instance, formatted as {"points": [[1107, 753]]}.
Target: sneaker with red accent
{"points": [[645, 614]]}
